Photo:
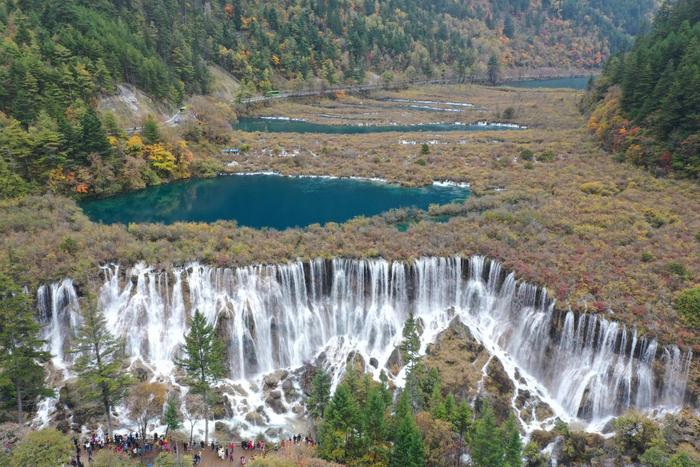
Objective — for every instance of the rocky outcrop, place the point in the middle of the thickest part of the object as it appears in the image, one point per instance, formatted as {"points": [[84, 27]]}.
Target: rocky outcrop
{"points": [[469, 371]]}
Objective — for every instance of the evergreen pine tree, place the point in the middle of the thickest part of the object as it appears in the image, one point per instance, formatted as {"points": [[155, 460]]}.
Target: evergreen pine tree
{"points": [[494, 70], [462, 423], [203, 360], [407, 450], [94, 139], [171, 417], [513, 445], [99, 361], [486, 446], [376, 426], [150, 133], [320, 394], [338, 434], [21, 357], [410, 345]]}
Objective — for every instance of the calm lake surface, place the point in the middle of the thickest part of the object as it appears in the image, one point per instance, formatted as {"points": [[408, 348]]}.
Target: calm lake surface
{"points": [[265, 201], [570, 83], [253, 124]]}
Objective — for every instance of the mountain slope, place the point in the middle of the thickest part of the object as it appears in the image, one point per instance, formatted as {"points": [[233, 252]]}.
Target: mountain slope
{"points": [[57, 57], [648, 100]]}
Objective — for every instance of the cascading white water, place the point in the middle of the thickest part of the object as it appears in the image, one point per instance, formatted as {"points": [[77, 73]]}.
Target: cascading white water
{"points": [[282, 316]]}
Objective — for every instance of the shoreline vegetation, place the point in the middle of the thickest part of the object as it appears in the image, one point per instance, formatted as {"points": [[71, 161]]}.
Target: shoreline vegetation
{"points": [[625, 244]]}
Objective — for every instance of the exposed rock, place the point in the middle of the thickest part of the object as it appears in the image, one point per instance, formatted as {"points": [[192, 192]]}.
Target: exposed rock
{"points": [[542, 438], [290, 392], [225, 432], [273, 432], [395, 362], [305, 376], [374, 363], [459, 358], [221, 406], [357, 360], [271, 380], [274, 401], [256, 417], [140, 371]]}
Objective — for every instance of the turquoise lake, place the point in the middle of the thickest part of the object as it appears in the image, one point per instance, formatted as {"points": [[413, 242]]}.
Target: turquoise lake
{"points": [[254, 124], [265, 201], [579, 83]]}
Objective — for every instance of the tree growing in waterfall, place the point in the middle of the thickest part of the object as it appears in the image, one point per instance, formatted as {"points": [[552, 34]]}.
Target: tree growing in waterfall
{"points": [[21, 357], [320, 393], [409, 347], [100, 355], [203, 360]]}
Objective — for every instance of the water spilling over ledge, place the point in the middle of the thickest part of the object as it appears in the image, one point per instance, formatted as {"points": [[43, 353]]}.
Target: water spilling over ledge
{"points": [[584, 367]]}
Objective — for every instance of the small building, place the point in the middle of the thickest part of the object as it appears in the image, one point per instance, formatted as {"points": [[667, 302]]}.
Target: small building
{"points": [[231, 151]]}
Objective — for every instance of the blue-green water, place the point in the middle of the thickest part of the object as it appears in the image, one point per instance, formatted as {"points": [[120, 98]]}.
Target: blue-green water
{"points": [[569, 83], [265, 201], [252, 124]]}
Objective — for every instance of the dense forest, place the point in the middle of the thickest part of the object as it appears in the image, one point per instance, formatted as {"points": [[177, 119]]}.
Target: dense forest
{"points": [[58, 57], [648, 100]]}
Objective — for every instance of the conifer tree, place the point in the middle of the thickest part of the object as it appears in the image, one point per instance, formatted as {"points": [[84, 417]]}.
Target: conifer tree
{"points": [[339, 433], [461, 423], [151, 133], [21, 357], [513, 445], [320, 393], [99, 361], [494, 70], [486, 446], [376, 426], [203, 360], [94, 139], [171, 417], [408, 448]]}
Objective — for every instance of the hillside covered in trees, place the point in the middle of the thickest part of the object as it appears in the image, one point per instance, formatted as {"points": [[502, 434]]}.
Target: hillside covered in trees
{"points": [[648, 100], [57, 58]]}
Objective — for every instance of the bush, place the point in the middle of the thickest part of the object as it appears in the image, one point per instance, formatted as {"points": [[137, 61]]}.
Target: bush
{"points": [[674, 267], [527, 155], [44, 448], [424, 149], [646, 257], [109, 458], [421, 162], [634, 434], [595, 188], [509, 113], [657, 219], [546, 156], [687, 304]]}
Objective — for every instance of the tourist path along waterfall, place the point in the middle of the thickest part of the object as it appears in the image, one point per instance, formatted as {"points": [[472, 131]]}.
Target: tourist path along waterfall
{"points": [[584, 366]]}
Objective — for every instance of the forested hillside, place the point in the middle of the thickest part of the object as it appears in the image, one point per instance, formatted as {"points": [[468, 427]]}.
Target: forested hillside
{"points": [[648, 100], [57, 57]]}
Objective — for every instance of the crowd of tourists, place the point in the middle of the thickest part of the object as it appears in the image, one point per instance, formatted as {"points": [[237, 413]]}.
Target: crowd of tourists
{"points": [[247, 450], [134, 446]]}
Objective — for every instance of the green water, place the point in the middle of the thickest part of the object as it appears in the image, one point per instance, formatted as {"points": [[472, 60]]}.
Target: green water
{"points": [[252, 124], [568, 83], [261, 201]]}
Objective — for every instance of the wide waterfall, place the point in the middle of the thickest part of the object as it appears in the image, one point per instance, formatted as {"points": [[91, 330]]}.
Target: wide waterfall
{"points": [[584, 366]]}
